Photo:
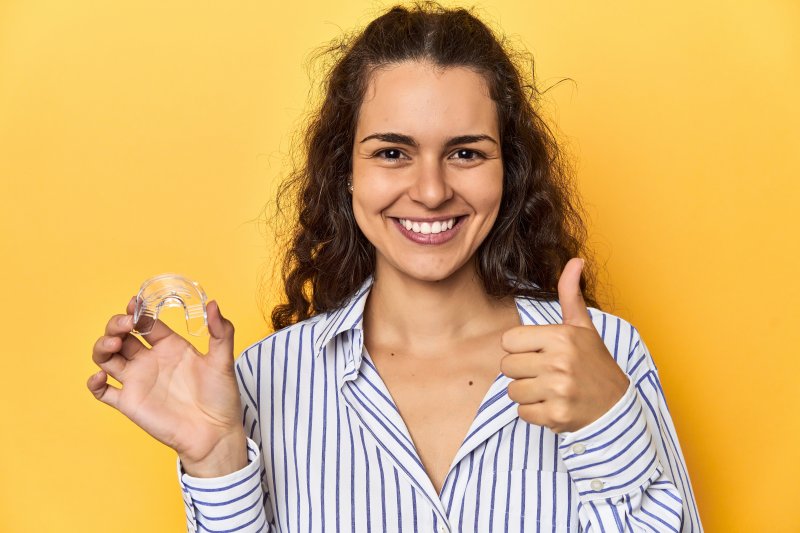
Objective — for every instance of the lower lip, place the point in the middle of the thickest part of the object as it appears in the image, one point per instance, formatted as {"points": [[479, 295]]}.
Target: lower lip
{"points": [[430, 238]]}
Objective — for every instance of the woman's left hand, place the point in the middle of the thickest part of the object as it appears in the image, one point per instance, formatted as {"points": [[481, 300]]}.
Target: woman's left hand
{"points": [[564, 376]]}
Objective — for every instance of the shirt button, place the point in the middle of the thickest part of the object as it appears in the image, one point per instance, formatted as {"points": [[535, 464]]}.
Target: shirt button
{"points": [[578, 448], [596, 484], [442, 529]]}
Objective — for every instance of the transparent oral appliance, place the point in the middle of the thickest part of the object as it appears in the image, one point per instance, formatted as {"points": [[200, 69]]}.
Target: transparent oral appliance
{"points": [[170, 290]]}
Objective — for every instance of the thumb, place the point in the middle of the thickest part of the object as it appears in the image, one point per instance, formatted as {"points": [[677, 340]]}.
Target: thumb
{"points": [[220, 345], [573, 307]]}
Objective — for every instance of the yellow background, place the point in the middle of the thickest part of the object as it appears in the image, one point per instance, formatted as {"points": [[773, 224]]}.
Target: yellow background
{"points": [[143, 137]]}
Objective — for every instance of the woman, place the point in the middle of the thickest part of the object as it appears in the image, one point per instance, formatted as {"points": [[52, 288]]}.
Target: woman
{"points": [[436, 367]]}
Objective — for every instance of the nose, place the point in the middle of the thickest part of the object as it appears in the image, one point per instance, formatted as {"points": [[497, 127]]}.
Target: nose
{"points": [[430, 186]]}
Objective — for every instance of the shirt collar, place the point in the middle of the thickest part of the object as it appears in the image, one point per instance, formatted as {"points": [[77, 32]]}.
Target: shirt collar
{"points": [[350, 315]]}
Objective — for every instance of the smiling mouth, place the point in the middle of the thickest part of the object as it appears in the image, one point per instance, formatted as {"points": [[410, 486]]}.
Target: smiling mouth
{"points": [[426, 228], [429, 231]]}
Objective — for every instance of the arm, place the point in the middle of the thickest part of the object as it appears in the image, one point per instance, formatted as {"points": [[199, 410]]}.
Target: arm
{"points": [[627, 466], [238, 501]]}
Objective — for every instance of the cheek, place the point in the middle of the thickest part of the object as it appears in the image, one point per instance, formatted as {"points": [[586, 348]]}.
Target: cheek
{"points": [[369, 202], [374, 189], [486, 198]]}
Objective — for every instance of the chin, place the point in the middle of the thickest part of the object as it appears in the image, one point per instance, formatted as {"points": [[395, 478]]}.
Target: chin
{"points": [[426, 270], [428, 276]]}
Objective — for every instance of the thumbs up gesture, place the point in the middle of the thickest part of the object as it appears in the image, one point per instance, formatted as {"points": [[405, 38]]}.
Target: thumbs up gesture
{"points": [[563, 375]]}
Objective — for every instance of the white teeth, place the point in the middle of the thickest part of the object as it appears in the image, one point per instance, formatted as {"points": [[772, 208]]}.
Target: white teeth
{"points": [[427, 227]]}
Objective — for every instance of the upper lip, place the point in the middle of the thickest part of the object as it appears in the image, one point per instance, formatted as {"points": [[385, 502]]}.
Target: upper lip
{"points": [[428, 219]]}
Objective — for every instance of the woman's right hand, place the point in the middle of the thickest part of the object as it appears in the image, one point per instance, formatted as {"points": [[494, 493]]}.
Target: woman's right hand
{"points": [[186, 400]]}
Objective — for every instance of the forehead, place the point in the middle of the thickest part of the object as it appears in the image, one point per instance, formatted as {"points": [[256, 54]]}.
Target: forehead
{"points": [[414, 97]]}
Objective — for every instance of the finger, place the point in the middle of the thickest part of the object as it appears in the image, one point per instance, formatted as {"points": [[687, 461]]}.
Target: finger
{"points": [[131, 307], [523, 365], [101, 390], [573, 307], [158, 331], [115, 367], [105, 356], [530, 338], [132, 347], [220, 345], [534, 413], [526, 390], [119, 325]]}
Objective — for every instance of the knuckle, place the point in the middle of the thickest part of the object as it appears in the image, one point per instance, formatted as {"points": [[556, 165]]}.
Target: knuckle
{"points": [[97, 392], [562, 366], [568, 361], [97, 350], [557, 388], [559, 365], [564, 388], [566, 334], [559, 415]]}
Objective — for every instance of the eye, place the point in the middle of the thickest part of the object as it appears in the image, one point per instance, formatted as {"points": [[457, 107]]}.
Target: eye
{"points": [[392, 154], [465, 154]]}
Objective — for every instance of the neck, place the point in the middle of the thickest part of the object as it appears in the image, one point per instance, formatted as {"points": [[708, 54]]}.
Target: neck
{"points": [[427, 316]]}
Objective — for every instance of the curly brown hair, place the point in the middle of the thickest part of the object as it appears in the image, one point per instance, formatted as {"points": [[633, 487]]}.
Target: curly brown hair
{"points": [[540, 224]]}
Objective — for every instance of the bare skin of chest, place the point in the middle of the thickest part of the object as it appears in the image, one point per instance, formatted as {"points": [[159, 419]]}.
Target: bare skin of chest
{"points": [[438, 397]]}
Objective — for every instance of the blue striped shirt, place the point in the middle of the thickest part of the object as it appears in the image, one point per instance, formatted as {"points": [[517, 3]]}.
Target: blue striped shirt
{"points": [[329, 451]]}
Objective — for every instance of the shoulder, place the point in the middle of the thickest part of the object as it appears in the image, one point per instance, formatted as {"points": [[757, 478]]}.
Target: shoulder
{"points": [[620, 336], [625, 343]]}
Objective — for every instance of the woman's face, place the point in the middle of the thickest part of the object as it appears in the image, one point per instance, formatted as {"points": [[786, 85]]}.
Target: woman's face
{"points": [[427, 168]]}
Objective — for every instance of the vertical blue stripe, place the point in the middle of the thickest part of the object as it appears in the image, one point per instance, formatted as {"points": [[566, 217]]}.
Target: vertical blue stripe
{"points": [[366, 478], [309, 503], [299, 361], [399, 501]]}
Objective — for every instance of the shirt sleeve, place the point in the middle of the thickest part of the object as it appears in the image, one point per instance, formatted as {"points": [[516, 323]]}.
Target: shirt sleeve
{"points": [[238, 501], [627, 466]]}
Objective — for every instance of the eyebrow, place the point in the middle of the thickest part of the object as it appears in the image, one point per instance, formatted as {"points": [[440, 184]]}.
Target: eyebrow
{"points": [[400, 138]]}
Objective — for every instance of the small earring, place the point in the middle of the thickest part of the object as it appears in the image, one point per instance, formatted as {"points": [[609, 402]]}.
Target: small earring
{"points": [[350, 185]]}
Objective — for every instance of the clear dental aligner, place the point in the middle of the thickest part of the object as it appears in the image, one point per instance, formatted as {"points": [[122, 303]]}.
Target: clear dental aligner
{"points": [[170, 290]]}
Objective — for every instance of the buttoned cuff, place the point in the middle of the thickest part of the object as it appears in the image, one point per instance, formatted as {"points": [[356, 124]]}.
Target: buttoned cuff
{"points": [[222, 503], [615, 454]]}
